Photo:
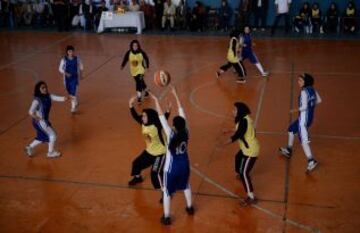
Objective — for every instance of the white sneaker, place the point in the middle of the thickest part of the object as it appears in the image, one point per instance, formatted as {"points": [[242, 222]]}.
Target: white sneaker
{"points": [[297, 29], [53, 154], [311, 166], [28, 151], [73, 110], [265, 74]]}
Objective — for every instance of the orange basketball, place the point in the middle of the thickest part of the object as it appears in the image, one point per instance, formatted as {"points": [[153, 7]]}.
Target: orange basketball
{"points": [[162, 78]]}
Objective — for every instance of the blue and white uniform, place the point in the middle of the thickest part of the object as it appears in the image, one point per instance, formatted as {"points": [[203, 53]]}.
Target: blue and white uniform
{"points": [[40, 107], [308, 99], [73, 67], [177, 166], [247, 52]]}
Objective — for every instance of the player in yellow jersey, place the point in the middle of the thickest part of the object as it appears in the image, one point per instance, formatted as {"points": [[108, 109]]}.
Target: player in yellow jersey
{"points": [[139, 61], [153, 155], [233, 59], [249, 149]]}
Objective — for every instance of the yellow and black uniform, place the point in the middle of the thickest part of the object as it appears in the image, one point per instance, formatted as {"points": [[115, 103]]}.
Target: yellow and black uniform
{"points": [[350, 21], [139, 61], [302, 19], [233, 59], [316, 17], [249, 146], [154, 153]]}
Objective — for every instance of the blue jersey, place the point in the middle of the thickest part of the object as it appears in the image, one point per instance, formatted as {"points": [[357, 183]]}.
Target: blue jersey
{"points": [[307, 103], [180, 153], [44, 107], [248, 42], [71, 67]]}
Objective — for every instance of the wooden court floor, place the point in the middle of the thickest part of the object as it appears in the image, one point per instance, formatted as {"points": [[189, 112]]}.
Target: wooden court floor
{"points": [[86, 190]]}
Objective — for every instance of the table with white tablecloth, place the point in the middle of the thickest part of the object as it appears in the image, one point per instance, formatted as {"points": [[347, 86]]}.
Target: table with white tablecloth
{"points": [[128, 19]]}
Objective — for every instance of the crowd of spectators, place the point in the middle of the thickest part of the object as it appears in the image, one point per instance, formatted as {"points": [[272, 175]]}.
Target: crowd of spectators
{"points": [[177, 15]]}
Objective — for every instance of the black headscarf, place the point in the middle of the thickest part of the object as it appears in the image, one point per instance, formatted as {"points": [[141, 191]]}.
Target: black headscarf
{"points": [[131, 46], [37, 92], [153, 119], [308, 80], [181, 133], [242, 111]]}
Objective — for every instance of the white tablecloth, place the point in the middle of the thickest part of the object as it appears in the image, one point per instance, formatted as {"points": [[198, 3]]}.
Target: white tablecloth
{"points": [[129, 19]]}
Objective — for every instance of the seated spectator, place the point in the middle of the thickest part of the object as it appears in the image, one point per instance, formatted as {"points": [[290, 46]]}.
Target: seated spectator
{"points": [[28, 12], [315, 19], [225, 13], [168, 14], [332, 18], [350, 24], [149, 14], [7, 12], [134, 6], [182, 14], [197, 18], [302, 19]]}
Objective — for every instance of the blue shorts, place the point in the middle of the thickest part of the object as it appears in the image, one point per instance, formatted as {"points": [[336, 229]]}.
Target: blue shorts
{"points": [[302, 132], [41, 134], [249, 55], [71, 85], [177, 178]]}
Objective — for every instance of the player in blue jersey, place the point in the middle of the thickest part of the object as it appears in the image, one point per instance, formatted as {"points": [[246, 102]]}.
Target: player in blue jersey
{"points": [[308, 99], [177, 165], [71, 67], [248, 53], [39, 111]]}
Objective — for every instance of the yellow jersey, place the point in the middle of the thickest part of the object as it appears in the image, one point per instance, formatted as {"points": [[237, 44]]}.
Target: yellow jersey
{"points": [[231, 57], [152, 140], [250, 138], [136, 64], [350, 12]]}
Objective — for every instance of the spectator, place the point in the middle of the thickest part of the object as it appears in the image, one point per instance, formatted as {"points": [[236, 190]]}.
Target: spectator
{"points": [[159, 10], [149, 14], [225, 13], [197, 19], [282, 11], [350, 18], [260, 9], [315, 19], [86, 13], [99, 12], [134, 6], [60, 14], [332, 18], [244, 12], [28, 13], [301, 21], [168, 14], [182, 14]]}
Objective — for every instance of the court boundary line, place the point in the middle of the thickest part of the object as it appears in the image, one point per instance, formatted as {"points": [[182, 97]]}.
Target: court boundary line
{"points": [[125, 187]]}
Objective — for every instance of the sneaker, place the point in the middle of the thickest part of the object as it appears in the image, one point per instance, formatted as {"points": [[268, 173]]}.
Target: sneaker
{"points": [[73, 110], [139, 100], [190, 210], [53, 154], [297, 29], [263, 29], [135, 180], [165, 220], [248, 201], [286, 151], [146, 95], [241, 80], [265, 74], [28, 151], [217, 75], [311, 165]]}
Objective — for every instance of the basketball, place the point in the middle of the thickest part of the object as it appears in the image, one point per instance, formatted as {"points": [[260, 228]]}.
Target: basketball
{"points": [[162, 78]]}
